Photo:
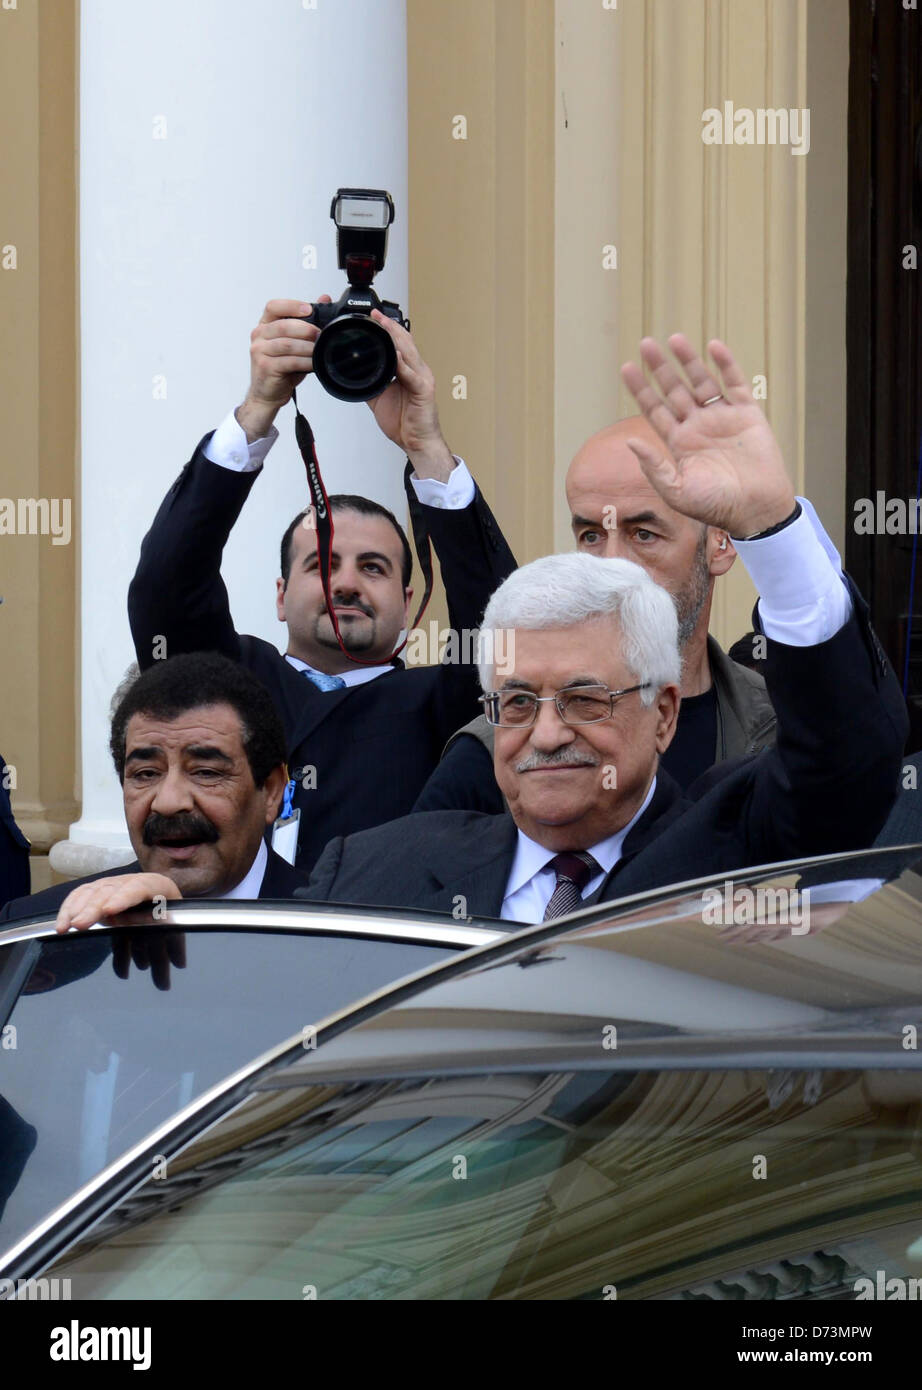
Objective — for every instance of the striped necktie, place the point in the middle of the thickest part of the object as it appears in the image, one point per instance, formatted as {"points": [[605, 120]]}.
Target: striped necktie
{"points": [[325, 682], [573, 873]]}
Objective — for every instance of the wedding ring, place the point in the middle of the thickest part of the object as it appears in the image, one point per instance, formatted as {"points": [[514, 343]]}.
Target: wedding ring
{"points": [[712, 400]]}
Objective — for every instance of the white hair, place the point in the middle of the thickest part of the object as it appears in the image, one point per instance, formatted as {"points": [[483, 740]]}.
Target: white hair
{"points": [[564, 590]]}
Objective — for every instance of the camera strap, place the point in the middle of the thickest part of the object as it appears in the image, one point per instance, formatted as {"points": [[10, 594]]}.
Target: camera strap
{"points": [[324, 524]]}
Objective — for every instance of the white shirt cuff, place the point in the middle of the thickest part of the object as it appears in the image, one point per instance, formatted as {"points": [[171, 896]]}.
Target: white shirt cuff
{"points": [[228, 446], [846, 890], [453, 496], [803, 597]]}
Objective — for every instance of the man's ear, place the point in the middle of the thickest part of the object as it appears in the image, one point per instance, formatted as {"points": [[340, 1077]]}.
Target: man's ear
{"points": [[720, 552], [668, 700], [274, 788], [407, 600], [280, 587]]}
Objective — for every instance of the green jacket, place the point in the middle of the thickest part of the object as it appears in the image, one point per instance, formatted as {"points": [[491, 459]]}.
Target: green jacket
{"points": [[745, 718]]}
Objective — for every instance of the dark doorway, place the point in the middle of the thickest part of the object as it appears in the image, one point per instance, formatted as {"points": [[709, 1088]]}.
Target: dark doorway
{"points": [[883, 340]]}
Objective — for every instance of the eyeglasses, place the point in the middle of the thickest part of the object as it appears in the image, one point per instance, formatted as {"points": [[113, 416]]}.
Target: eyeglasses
{"points": [[584, 704]]}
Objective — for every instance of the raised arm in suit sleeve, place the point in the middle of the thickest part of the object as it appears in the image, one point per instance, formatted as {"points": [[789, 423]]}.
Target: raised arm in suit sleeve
{"points": [[177, 591], [474, 558], [832, 776], [463, 780], [711, 454]]}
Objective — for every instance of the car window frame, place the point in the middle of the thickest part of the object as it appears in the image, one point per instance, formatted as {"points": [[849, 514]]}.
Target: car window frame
{"points": [[284, 915], [49, 1239]]}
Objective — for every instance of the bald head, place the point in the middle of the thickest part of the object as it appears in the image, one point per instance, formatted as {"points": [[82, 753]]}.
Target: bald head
{"points": [[615, 511], [605, 463]]}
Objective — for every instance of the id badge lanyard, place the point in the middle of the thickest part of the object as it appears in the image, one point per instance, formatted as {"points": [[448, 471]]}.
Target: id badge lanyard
{"points": [[285, 830]]}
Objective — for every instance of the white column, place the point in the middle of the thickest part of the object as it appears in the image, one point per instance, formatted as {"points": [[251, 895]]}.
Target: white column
{"points": [[213, 136]]}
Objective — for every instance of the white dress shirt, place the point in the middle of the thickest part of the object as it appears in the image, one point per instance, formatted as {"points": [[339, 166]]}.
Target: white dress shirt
{"points": [[228, 447], [803, 597], [356, 675], [249, 886], [531, 881]]}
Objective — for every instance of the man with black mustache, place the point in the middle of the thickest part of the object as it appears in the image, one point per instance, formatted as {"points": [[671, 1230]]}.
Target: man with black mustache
{"points": [[200, 753]]}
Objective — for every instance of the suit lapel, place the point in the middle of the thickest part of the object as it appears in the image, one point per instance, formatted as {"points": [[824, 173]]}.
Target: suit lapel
{"points": [[474, 870], [317, 706], [280, 880], [667, 805]]}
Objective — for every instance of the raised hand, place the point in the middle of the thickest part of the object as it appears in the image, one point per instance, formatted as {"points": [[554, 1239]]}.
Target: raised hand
{"points": [[281, 355], [406, 411], [725, 468]]}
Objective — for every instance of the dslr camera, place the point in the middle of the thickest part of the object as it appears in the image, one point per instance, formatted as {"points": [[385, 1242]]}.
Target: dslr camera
{"points": [[354, 359]]}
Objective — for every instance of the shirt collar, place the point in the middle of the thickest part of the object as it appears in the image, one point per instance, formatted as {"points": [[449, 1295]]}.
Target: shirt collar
{"points": [[358, 676], [249, 886], [530, 857]]}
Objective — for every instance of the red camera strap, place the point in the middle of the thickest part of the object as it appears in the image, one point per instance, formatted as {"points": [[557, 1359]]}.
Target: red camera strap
{"points": [[324, 522]]}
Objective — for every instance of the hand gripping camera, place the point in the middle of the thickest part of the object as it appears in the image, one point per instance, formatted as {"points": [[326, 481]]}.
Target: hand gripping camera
{"points": [[354, 359]]}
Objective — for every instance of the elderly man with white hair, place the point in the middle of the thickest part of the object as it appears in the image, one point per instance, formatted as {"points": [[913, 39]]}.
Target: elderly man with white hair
{"points": [[586, 703]]}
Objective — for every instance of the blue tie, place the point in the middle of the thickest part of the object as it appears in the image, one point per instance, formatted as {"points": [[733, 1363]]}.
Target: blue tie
{"points": [[325, 682]]}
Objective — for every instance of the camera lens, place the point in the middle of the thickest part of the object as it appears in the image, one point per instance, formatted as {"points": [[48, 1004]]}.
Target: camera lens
{"points": [[354, 358]]}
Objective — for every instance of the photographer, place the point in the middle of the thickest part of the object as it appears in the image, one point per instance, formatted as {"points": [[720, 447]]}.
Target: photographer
{"points": [[361, 739]]}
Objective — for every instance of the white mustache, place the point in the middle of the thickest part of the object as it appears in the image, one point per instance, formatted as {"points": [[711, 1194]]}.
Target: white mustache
{"points": [[565, 758]]}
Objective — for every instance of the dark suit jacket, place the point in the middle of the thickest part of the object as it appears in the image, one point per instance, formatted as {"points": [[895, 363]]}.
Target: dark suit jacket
{"points": [[904, 823], [14, 850], [373, 745], [826, 785], [279, 881]]}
